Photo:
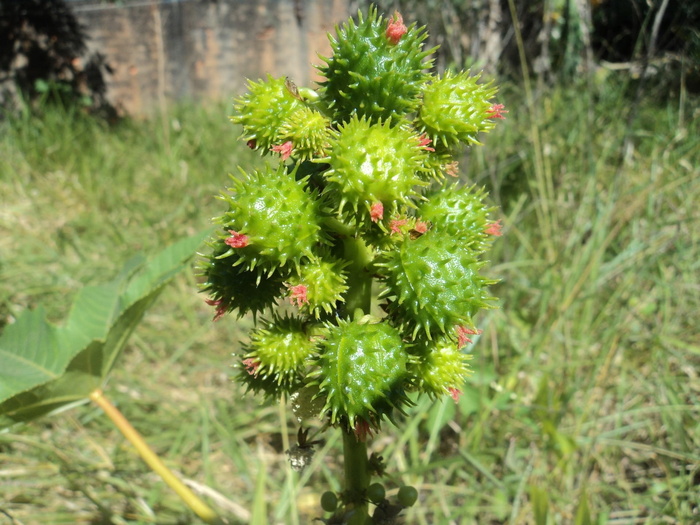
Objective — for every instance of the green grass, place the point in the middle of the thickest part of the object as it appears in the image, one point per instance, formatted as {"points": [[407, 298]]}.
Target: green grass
{"points": [[585, 393]]}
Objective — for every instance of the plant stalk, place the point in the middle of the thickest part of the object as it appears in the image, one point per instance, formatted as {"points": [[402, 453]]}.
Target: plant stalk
{"points": [[357, 477], [358, 299], [359, 281], [152, 460]]}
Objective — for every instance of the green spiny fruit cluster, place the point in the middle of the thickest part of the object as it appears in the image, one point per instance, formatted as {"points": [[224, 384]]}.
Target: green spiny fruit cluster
{"points": [[355, 197]]}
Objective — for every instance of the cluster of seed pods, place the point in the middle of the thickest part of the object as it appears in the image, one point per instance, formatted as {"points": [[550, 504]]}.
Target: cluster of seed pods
{"points": [[356, 247]]}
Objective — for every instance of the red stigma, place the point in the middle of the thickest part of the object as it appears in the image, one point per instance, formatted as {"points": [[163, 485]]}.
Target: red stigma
{"points": [[396, 224], [376, 212], [285, 150], [454, 393], [462, 335], [237, 240], [496, 111], [424, 142], [362, 430], [251, 366], [396, 28], [221, 308], [421, 227], [452, 168], [494, 229], [298, 296]]}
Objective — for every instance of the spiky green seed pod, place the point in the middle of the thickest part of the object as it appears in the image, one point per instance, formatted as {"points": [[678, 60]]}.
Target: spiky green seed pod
{"points": [[362, 369], [441, 367], [279, 351], [263, 111], [278, 218], [459, 211], [319, 285], [233, 287], [456, 108], [309, 132], [435, 284], [374, 163], [369, 75]]}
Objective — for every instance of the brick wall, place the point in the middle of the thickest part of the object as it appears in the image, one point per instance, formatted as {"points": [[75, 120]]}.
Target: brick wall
{"points": [[162, 50]]}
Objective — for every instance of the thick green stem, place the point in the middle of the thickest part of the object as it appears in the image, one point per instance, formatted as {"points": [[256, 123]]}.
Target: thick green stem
{"points": [[359, 294], [358, 298], [357, 477], [152, 460]]}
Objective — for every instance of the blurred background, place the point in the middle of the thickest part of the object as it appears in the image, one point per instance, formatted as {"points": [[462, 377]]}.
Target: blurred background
{"points": [[584, 402]]}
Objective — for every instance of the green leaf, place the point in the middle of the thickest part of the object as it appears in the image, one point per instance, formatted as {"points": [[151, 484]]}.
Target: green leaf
{"points": [[583, 513], [540, 504], [259, 514], [46, 367], [440, 414]]}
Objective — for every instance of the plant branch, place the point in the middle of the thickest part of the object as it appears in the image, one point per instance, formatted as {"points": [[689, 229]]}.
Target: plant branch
{"points": [[153, 461]]}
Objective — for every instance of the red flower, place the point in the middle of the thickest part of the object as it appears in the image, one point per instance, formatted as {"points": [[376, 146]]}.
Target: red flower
{"points": [[396, 224], [376, 212], [285, 150], [462, 335], [454, 393], [396, 28], [237, 240], [251, 366], [452, 168], [425, 142], [297, 295], [421, 227], [221, 307], [496, 111], [362, 430], [494, 228]]}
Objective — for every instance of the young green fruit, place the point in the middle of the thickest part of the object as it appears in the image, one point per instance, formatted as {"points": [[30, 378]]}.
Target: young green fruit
{"points": [[407, 496], [362, 368], [433, 284], [232, 286], [374, 165], [372, 73], [456, 108], [460, 212], [264, 110], [279, 350], [273, 218]]}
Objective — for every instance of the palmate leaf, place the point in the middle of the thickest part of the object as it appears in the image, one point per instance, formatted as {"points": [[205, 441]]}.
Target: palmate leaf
{"points": [[45, 367]]}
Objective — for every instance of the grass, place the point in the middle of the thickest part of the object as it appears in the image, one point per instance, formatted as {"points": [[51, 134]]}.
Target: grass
{"points": [[585, 393]]}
